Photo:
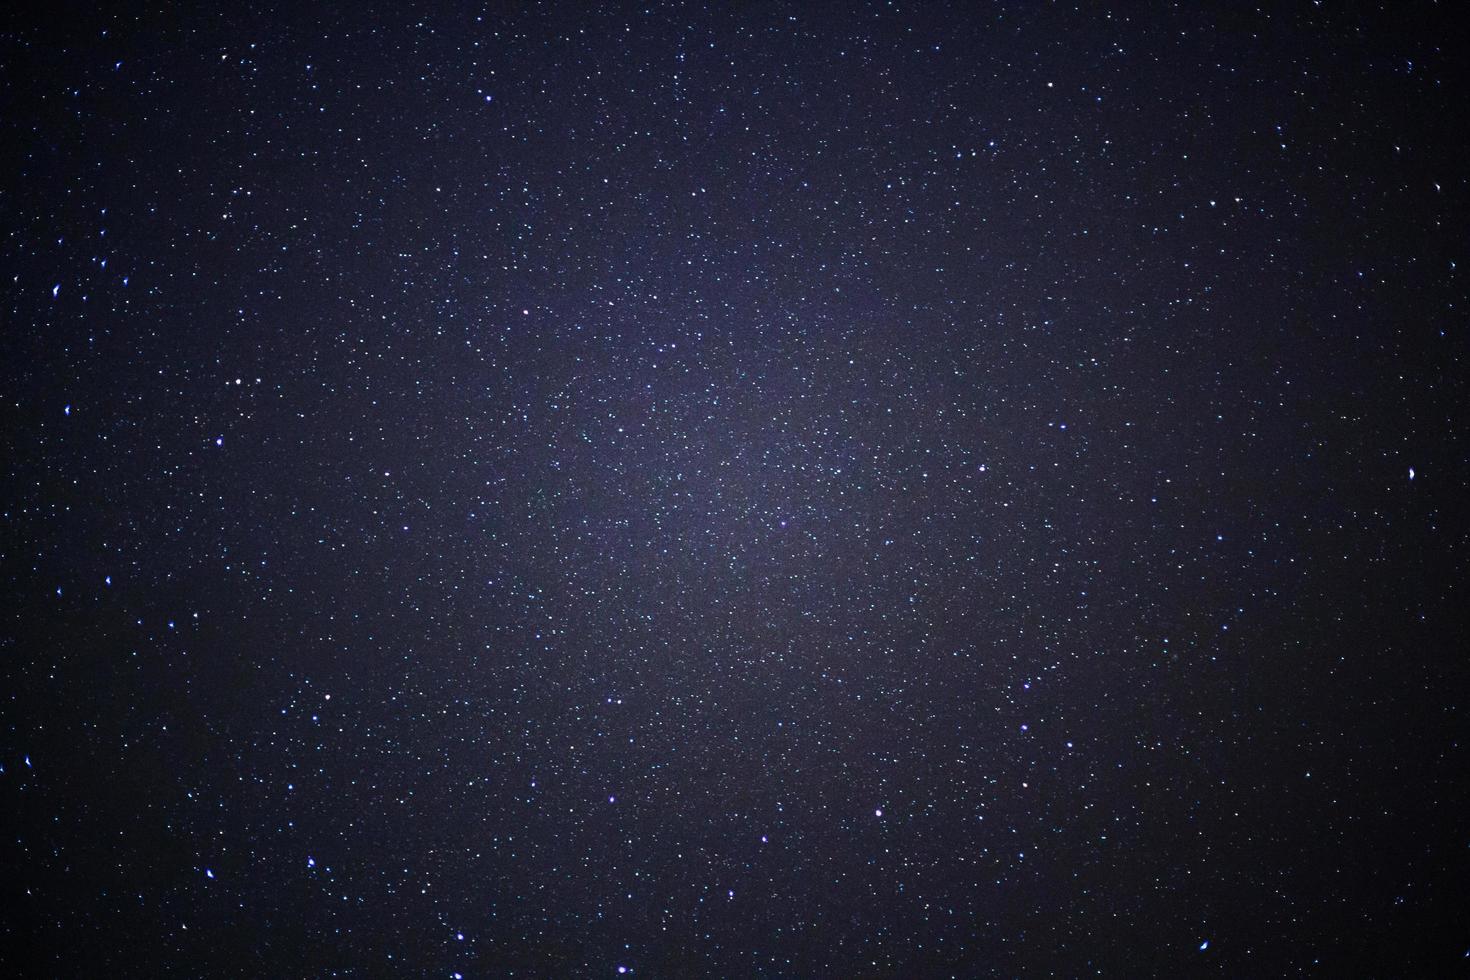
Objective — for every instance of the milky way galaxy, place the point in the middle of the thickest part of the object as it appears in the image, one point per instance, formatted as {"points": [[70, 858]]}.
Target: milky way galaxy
{"points": [[771, 490]]}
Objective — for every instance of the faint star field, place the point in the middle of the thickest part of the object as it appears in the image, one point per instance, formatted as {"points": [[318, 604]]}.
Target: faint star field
{"points": [[767, 490]]}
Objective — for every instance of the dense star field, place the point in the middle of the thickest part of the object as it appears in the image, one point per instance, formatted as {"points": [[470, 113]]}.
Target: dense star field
{"points": [[774, 490]]}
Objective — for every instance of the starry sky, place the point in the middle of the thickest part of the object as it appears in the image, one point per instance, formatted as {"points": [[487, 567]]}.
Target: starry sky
{"points": [[775, 490]]}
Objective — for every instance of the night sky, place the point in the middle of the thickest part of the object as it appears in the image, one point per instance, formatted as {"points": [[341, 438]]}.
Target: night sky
{"points": [[779, 490]]}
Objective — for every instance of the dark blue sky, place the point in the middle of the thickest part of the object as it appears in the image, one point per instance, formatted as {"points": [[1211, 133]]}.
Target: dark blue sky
{"points": [[772, 490]]}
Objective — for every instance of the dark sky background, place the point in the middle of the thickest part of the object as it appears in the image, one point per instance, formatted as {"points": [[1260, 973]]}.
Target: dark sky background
{"points": [[788, 490]]}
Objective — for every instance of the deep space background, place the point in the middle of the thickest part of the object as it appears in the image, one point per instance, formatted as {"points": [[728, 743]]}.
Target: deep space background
{"points": [[757, 490]]}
